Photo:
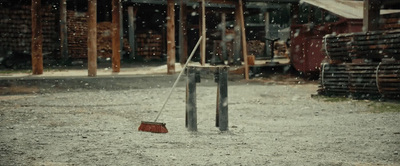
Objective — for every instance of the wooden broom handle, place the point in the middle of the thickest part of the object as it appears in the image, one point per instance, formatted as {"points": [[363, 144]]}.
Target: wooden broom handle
{"points": [[179, 76]]}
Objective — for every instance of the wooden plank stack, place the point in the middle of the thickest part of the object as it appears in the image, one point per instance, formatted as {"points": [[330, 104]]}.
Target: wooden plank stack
{"points": [[363, 45], [15, 29], [378, 75], [77, 34], [390, 21], [255, 47], [104, 41], [149, 45], [368, 80]]}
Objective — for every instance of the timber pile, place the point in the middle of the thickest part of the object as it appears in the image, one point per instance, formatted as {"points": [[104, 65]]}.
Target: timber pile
{"points": [[370, 80], [363, 45], [104, 40], [255, 47], [149, 45], [15, 29], [362, 80], [390, 21], [77, 34]]}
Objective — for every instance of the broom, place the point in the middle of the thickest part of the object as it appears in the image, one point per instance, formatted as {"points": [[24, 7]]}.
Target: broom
{"points": [[157, 127]]}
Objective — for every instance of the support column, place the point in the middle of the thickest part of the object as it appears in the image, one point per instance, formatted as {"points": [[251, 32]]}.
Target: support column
{"points": [[121, 30], [244, 43], [37, 38], [131, 19], [268, 46], [371, 15], [223, 37], [191, 108], [171, 37], [92, 38], [183, 49], [63, 30], [203, 33], [116, 44], [237, 38]]}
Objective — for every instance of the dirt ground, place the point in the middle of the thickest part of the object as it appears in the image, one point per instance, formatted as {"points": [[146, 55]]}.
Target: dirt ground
{"points": [[269, 124]]}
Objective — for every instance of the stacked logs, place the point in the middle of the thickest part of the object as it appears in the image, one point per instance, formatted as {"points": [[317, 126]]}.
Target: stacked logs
{"points": [[363, 45], [149, 45], [77, 34], [369, 80], [104, 40], [390, 21], [15, 29], [378, 76], [255, 47]]}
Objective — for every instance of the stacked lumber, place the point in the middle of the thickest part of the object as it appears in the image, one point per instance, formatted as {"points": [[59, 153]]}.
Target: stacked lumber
{"points": [[15, 29], [77, 34], [363, 45], [104, 40], [334, 80], [390, 21], [255, 47], [149, 45], [368, 80]]}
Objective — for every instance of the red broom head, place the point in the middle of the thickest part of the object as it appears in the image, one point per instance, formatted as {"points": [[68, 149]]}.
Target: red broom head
{"points": [[153, 127]]}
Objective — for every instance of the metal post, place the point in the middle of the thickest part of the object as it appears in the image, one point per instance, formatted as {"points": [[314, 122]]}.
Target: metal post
{"points": [[223, 99], [191, 108]]}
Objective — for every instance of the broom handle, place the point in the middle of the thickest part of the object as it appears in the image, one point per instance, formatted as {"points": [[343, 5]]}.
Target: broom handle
{"points": [[179, 76]]}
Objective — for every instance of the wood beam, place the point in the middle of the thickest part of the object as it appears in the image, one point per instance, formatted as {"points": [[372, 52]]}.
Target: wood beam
{"points": [[116, 44], [237, 39], [371, 15], [183, 49], [92, 38], [244, 43], [171, 37], [37, 38], [63, 30], [131, 19], [203, 33]]}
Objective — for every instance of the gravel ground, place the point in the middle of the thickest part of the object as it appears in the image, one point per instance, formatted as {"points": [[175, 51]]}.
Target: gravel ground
{"points": [[269, 124]]}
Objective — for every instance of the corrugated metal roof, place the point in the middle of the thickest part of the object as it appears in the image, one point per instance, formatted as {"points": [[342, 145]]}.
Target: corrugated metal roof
{"points": [[344, 8]]}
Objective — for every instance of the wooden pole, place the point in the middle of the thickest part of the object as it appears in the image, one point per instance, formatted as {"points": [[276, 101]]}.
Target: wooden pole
{"points": [[203, 33], [183, 49], [371, 15], [171, 37], [37, 38], [115, 26], [244, 44], [223, 37], [236, 41], [92, 38], [63, 30], [267, 36], [131, 19], [121, 29]]}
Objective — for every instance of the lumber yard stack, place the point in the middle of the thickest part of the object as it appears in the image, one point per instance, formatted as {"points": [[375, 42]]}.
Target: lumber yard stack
{"points": [[16, 28], [104, 41], [77, 34], [149, 45], [362, 65], [390, 21]]}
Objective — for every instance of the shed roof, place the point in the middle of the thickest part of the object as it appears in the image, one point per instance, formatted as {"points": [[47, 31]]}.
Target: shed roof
{"points": [[344, 8]]}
